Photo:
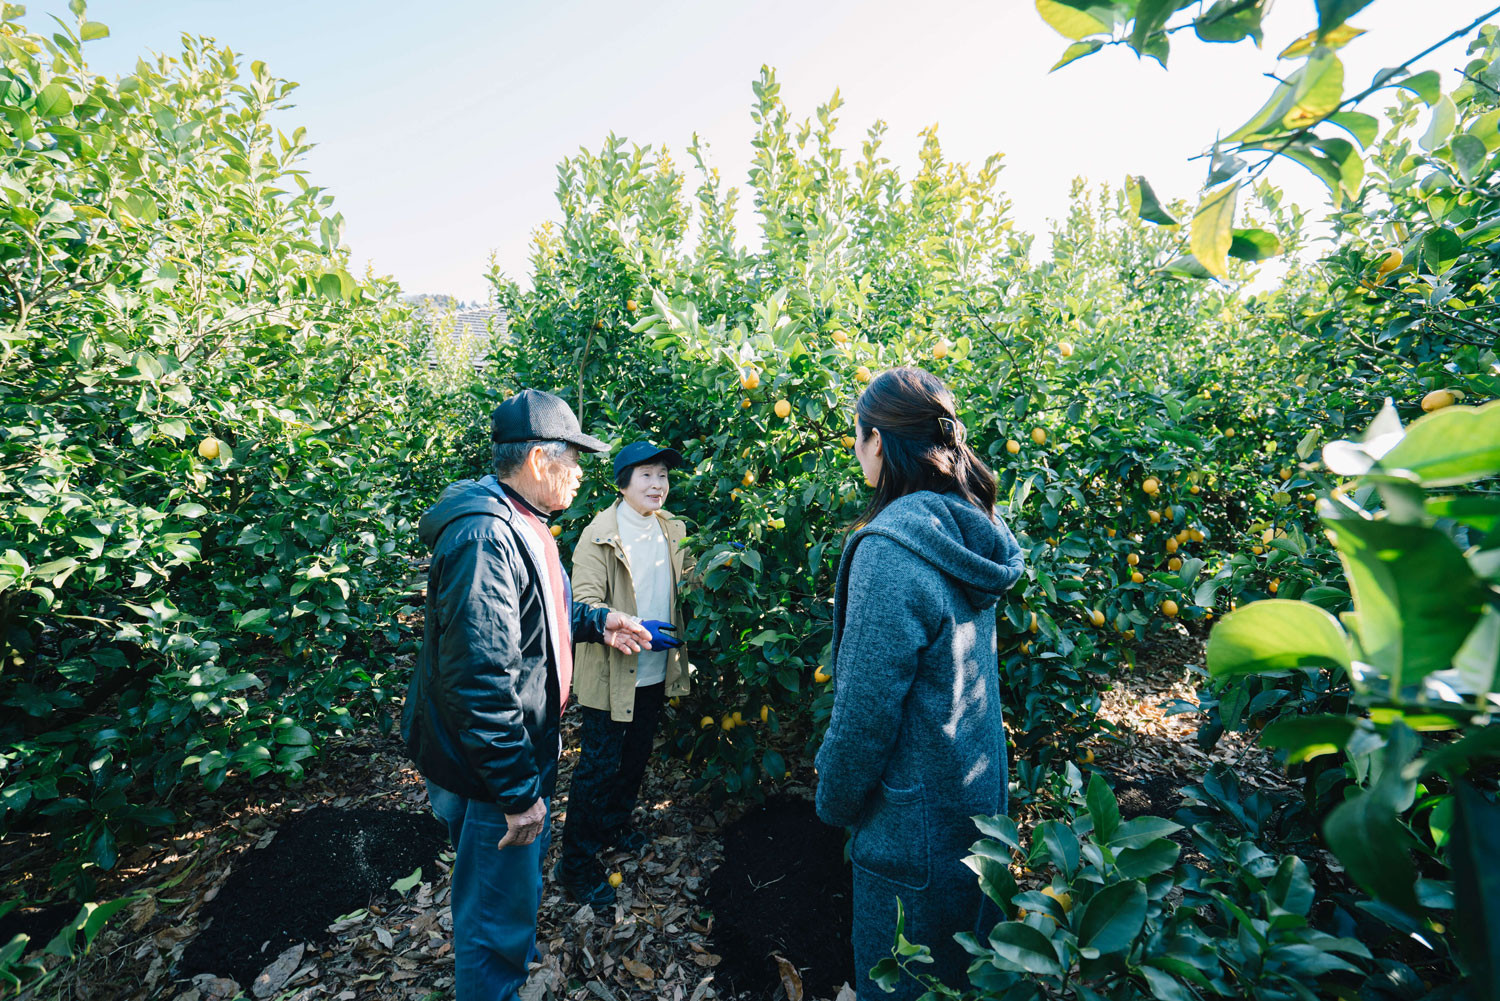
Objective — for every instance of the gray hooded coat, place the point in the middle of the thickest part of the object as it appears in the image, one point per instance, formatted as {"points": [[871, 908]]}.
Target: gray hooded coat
{"points": [[915, 747]]}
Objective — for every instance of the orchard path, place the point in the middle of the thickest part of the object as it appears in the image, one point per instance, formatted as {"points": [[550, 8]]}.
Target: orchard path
{"points": [[658, 945]]}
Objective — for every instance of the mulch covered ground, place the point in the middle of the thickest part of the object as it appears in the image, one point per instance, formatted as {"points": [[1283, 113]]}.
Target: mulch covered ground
{"points": [[277, 894]]}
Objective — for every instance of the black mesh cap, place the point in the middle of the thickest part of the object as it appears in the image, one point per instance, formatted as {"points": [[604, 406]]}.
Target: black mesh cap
{"points": [[532, 415]]}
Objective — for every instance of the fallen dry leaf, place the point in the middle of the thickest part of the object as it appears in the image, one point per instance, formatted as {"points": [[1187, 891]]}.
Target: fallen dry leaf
{"points": [[791, 979], [641, 971]]}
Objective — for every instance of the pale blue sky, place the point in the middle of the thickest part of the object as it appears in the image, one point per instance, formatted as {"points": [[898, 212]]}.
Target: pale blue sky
{"points": [[439, 124]]}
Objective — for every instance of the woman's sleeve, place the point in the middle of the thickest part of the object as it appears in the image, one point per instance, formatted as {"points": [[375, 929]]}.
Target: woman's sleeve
{"points": [[590, 575], [890, 618]]}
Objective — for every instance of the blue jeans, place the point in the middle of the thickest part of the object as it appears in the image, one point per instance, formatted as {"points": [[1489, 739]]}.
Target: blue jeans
{"points": [[495, 897]]}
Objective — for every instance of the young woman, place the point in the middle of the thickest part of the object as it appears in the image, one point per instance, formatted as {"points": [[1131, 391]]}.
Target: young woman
{"points": [[630, 558], [915, 746]]}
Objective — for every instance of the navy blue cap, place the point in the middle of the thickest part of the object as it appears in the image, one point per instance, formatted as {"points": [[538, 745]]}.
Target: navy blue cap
{"points": [[643, 451]]}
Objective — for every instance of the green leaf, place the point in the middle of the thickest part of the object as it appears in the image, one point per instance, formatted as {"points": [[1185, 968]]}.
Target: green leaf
{"points": [[1473, 847], [1148, 860], [1426, 85], [1020, 948], [1254, 245], [1452, 446], [1469, 155], [1061, 844], [1319, 91], [1144, 203], [1440, 125], [1367, 835], [190, 509], [1068, 21], [1305, 737], [1441, 249], [1362, 127], [1213, 229], [1077, 51], [1291, 888], [1333, 13], [1276, 635], [1142, 831], [1415, 596], [995, 878], [404, 885], [93, 30], [1231, 21], [54, 101], [1150, 17], [1104, 809], [1113, 917], [95, 916]]}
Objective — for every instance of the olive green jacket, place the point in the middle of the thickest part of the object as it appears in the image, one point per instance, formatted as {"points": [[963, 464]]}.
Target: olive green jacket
{"points": [[603, 677]]}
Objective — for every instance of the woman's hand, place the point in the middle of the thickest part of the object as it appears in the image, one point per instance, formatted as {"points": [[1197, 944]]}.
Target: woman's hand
{"points": [[625, 633]]}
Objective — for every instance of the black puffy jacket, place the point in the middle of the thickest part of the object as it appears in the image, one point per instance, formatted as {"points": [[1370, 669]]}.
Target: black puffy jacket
{"points": [[481, 714]]}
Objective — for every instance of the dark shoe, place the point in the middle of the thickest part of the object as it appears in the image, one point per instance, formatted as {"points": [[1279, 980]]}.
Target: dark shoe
{"points": [[633, 842], [599, 894]]}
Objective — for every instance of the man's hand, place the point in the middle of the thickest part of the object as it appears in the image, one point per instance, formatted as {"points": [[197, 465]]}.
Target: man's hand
{"points": [[625, 633], [526, 826]]}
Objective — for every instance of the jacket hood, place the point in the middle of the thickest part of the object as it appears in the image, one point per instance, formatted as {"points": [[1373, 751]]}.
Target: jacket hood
{"points": [[979, 554], [463, 498]]}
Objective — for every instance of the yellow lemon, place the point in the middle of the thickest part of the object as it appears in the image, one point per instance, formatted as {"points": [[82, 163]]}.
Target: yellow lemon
{"points": [[750, 379], [822, 678], [765, 713], [615, 879], [739, 720], [748, 479], [862, 374], [1435, 400], [706, 722], [1174, 564], [1274, 586], [1026, 647], [940, 350], [556, 530], [1110, 532], [1171, 546], [1034, 627], [1012, 446], [1151, 486], [1196, 535], [1257, 550], [1392, 261], [1039, 436], [1087, 757], [1183, 536], [726, 722], [631, 306], [208, 448], [1155, 516], [783, 409], [1193, 489], [1136, 577], [1065, 899], [839, 337], [1065, 349], [1133, 559], [1169, 608], [745, 403], [1096, 617], [847, 441]]}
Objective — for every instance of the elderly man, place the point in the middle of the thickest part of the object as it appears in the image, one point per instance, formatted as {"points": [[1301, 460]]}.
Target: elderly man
{"points": [[481, 716]]}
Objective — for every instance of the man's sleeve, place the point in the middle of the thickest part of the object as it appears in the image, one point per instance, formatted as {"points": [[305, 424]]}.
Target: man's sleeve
{"points": [[887, 625], [479, 664]]}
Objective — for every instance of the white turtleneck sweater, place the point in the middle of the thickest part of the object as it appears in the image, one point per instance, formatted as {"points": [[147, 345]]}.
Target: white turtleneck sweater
{"points": [[651, 572]]}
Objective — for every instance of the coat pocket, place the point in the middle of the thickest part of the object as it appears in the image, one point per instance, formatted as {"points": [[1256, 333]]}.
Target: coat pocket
{"points": [[891, 839]]}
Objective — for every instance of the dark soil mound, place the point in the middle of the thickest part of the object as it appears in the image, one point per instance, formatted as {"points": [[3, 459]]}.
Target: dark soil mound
{"points": [[1154, 794], [322, 864], [783, 887]]}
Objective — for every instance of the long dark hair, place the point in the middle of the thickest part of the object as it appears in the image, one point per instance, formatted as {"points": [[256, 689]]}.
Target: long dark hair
{"points": [[923, 441]]}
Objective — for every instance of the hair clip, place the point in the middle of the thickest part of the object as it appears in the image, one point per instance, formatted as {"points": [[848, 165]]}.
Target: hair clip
{"points": [[954, 432]]}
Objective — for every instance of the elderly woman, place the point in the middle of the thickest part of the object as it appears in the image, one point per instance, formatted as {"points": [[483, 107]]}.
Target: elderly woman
{"points": [[630, 558], [915, 747]]}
